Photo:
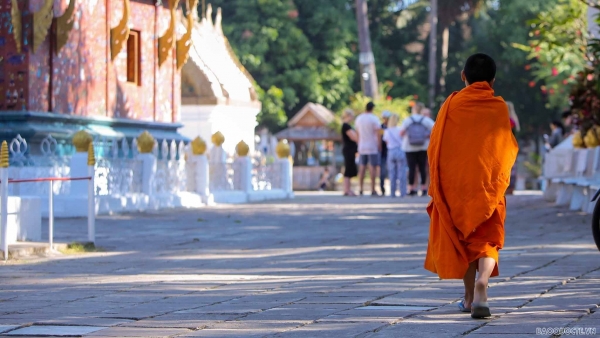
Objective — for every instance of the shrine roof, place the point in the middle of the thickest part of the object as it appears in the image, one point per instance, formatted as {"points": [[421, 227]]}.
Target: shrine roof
{"points": [[213, 74]]}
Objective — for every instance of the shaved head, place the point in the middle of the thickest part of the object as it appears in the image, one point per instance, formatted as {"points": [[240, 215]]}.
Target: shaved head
{"points": [[479, 68]]}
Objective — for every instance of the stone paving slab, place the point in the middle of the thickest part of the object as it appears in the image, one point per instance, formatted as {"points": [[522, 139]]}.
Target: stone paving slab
{"points": [[302, 268]]}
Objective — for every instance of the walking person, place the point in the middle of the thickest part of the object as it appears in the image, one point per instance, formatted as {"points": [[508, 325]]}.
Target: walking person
{"points": [[369, 146], [471, 154], [396, 158], [415, 131], [349, 149], [383, 170]]}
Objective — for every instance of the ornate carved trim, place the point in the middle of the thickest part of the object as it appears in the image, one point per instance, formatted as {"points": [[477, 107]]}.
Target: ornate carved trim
{"points": [[42, 20], [120, 33], [166, 42], [185, 43], [16, 21], [64, 25]]}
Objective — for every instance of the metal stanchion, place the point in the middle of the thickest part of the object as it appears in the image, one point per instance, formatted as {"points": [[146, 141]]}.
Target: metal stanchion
{"points": [[51, 215]]}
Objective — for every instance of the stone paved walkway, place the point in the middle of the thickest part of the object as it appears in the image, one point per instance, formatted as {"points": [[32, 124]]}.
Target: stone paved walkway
{"points": [[318, 266]]}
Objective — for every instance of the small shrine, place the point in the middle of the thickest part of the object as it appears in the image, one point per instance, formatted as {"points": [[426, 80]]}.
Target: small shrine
{"points": [[110, 67], [313, 140], [217, 92]]}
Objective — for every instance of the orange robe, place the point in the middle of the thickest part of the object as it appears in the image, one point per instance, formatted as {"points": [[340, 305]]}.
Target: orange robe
{"points": [[471, 153]]}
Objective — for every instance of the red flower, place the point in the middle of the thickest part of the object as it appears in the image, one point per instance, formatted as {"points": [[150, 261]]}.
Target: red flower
{"points": [[293, 14], [551, 91], [389, 98], [527, 67], [537, 32], [565, 81], [532, 84], [554, 71], [537, 49], [590, 77], [416, 97]]}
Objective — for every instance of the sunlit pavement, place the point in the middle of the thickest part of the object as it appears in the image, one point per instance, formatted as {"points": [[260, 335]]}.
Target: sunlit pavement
{"points": [[321, 265]]}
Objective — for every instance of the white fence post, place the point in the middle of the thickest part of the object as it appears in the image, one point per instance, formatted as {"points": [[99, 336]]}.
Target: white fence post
{"points": [[91, 196], [200, 165], [242, 174], [4, 197]]}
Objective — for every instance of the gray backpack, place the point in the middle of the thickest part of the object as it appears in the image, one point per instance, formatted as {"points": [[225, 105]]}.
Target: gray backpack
{"points": [[417, 133]]}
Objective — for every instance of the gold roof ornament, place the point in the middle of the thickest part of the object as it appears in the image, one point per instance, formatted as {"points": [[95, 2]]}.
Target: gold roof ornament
{"points": [[81, 141], [282, 149], [145, 142], [91, 157], [242, 149], [218, 139], [64, 25], [185, 43], [15, 14], [167, 41], [42, 20], [4, 155], [120, 34], [198, 146]]}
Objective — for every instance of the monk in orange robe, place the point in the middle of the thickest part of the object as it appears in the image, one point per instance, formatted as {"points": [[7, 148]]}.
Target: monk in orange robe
{"points": [[471, 153]]}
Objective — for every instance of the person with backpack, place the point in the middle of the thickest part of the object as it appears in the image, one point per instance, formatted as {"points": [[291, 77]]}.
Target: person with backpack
{"points": [[415, 131]]}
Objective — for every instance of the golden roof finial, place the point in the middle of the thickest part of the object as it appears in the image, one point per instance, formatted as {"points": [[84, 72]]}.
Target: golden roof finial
{"points": [[4, 155]]}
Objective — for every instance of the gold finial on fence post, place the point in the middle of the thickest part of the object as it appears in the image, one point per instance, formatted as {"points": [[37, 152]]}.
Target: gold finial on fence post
{"points": [[242, 149], [91, 157], [4, 155]]}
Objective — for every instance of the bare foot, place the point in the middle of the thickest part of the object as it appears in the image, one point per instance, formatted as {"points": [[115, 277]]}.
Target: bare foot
{"points": [[480, 295]]}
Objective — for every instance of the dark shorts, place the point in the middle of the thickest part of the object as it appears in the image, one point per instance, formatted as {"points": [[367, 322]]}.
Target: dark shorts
{"points": [[372, 159]]}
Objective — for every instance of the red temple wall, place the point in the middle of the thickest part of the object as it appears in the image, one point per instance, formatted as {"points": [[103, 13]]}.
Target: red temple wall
{"points": [[82, 80]]}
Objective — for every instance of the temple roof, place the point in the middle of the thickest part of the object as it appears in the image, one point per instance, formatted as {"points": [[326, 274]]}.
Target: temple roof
{"points": [[213, 74], [310, 123]]}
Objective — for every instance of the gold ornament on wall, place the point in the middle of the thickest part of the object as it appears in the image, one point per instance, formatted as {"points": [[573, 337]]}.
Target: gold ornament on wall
{"points": [[145, 142], [185, 43], [198, 146], [120, 34], [242, 149], [4, 155], [42, 20], [218, 139], [64, 25], [17, 24], [81, 140], [282, 149], [166, 42]]}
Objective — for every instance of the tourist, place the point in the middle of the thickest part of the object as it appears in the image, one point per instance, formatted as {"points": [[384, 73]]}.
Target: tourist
{"points": [[369, 146], [324, 181], [383, 172], [396, 158], [349, 149], [556, 136], [416, 130], [471, 154]]}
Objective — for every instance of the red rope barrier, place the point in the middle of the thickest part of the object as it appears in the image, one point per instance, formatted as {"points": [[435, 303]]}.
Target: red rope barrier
{"points": [[48, 179]]}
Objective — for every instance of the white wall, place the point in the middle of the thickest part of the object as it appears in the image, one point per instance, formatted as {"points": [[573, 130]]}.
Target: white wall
{"points": [[234, 123]]}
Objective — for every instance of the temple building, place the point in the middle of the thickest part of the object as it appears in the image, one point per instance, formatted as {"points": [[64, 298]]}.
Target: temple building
{"points": [[109, 66], [217, 91]]}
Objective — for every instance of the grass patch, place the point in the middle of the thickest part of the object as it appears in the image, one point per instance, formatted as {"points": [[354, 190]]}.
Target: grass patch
{"points": [[237, 221], [80, 248], [201, 219]]}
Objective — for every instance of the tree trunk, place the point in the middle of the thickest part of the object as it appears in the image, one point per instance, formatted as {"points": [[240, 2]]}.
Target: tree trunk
{"points": [[368, 73], [433, 52], [445, 47]]}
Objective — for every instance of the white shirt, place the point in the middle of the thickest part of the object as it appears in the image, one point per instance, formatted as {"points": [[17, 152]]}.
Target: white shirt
{"points": [[392, 138], [427, 122], [367, 126]]}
